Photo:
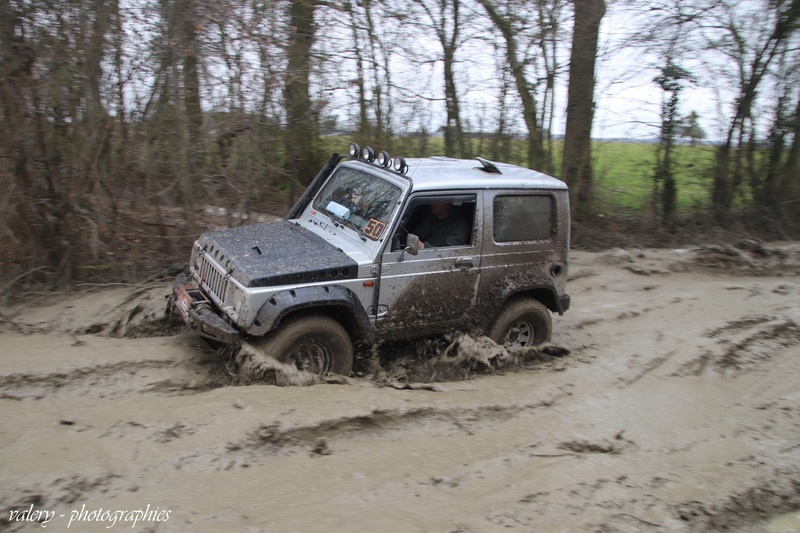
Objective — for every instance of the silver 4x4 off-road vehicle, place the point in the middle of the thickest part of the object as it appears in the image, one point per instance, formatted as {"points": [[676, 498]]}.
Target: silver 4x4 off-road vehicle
{"points": [[380, 249]]}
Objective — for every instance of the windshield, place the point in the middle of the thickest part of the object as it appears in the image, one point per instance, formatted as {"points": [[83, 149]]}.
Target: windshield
{"points": [[364, 201]]}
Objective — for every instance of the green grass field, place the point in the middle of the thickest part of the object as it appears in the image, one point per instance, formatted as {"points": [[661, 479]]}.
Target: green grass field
{"points": [[624, 172]]}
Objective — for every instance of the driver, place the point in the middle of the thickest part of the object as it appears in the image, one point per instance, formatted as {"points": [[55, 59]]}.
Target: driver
{"points": [[444, 225]]}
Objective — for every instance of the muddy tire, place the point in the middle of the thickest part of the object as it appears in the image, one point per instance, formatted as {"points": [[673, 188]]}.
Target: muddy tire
{"points": [[313, 343], [522, 323]]}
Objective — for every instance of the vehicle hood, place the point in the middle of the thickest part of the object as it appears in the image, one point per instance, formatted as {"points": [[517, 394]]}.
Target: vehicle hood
{"points": [[277, 253]]}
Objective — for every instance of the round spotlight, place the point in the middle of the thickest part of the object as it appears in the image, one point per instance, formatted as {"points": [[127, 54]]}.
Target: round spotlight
{"points": [[400, 165], [384, 159], [368, 154], [355, 150]]}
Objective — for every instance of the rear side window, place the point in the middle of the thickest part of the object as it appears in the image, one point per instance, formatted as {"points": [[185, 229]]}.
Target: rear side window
{"points": [[523, 218]]}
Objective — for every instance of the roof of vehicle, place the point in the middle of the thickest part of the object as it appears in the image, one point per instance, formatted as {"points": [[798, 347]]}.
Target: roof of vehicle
{"points": [[438, 173]]}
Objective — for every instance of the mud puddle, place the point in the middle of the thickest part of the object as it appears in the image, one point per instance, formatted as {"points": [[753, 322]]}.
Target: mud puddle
{"points": [[675, 409]]}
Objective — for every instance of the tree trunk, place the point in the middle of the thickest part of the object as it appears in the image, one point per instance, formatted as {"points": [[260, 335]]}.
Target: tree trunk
{"points": [[577, 157], [301, 163], [453, 133], [381, 137], [363, 119], [187, 10]]}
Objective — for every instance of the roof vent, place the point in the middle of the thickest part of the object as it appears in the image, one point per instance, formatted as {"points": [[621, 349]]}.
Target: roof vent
{"points": [[488, 166]]}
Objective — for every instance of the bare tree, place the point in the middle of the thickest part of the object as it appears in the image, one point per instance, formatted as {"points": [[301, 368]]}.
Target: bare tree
{"points": [[118, 121], [360, 75], [380, 54], [550, 19], [501, 138], [671, 80], [183, 18], [669, 33], [775, 190], [753, 58], [373, 83], [57, 131], [444, 17], [530, 49]]}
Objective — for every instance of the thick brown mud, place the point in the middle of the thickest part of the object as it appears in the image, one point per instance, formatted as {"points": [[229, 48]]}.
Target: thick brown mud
{"points": [[667, 401]]}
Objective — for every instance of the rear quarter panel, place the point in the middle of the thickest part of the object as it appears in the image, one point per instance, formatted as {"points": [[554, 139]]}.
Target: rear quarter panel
{"points": [[523, 267]]}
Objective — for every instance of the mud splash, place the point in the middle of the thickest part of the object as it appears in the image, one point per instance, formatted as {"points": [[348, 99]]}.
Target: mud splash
{"points": [[410, 365]]}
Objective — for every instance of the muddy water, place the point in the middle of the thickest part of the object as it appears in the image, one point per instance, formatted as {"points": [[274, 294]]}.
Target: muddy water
{"points": [[676, 408], [786, 523]]}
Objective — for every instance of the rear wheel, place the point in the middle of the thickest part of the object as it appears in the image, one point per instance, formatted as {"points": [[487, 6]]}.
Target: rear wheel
{"points": [[522, 323], [313, 343]]}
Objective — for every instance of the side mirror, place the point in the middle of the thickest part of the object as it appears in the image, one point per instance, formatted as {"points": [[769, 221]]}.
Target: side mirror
{"points": [[412, 244]]}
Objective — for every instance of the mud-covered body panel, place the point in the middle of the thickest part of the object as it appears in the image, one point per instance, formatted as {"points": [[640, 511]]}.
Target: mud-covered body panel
{"points": [[537, 269], [278, 253], [427, 294]]}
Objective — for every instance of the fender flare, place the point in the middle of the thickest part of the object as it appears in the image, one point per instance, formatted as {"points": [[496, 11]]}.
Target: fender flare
{"points": [[318, 296], [547, 294], [544, 293]]}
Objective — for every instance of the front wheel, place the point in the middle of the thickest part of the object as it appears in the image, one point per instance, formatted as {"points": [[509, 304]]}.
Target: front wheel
{"points": [[313, 343], [522, 323]]}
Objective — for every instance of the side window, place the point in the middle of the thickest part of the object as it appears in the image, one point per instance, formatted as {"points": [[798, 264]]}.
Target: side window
{"points": [[440, 221], [523, 218]]}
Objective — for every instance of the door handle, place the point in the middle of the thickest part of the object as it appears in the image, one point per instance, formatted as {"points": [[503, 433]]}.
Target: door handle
{"points": [[465, 262]]}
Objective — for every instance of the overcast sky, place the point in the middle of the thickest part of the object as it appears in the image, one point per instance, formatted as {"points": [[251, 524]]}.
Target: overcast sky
{"points": [[628, 101]]}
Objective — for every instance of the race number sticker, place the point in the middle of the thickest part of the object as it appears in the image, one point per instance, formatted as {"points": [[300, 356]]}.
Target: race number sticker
{"points": [[374, 229]]}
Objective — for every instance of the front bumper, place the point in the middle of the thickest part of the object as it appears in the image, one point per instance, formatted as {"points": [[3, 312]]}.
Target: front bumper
{"points": [[198, 313], [564, 301]]}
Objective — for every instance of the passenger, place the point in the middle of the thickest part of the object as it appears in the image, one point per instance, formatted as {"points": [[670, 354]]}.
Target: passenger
{"points": [[444, 225]]}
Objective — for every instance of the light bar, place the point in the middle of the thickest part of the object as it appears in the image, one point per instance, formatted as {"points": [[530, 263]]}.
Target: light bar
{"points": [[382, 158]]}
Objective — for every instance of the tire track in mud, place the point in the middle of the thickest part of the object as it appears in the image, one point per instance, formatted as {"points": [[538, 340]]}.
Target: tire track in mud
{"points": [[739, 345], [104, 381], [60, 491], [759, 345], [743, 344], [271, 439], [752, 505], [652, 510], [113, 311], [649, 367]]}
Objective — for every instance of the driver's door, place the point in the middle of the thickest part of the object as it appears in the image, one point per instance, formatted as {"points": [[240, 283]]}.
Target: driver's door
{"points": [[433, 291]]}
